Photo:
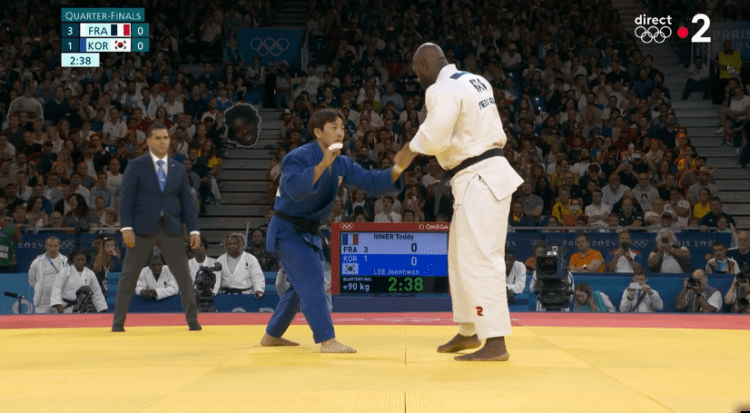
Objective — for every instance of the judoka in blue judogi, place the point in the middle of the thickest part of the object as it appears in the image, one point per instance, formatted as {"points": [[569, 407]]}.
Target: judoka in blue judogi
{"points": [[310, 178]]}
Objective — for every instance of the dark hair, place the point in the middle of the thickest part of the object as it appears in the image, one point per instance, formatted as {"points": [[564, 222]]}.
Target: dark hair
{"points": [[154, 127], [582, 235], [76, 253], [719, 243], [82, 209], [322, 117]]}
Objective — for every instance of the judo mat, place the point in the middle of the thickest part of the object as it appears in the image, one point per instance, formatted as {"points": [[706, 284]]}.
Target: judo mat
{"points": [[558, 363]]}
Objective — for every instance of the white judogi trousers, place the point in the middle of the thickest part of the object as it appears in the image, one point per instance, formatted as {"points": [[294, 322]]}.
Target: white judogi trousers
{"points": [[476, 255]]}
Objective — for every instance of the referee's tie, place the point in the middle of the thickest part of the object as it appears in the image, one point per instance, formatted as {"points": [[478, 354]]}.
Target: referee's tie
{"points": [[161, 175]]}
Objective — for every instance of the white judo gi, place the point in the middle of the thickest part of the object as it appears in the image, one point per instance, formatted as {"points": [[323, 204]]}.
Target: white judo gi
{"points": [[463, 122], [69, 281], [165, 286], [42, 275], [247, 275]]}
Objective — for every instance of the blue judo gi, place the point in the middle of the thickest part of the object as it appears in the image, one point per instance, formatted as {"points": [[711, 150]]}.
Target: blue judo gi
{"points": [[301, 252]]}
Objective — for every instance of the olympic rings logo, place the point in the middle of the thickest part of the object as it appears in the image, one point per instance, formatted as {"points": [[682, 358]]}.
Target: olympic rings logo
{"points": [[639, 243], [347, 226], [653, 33], [274, 47]]}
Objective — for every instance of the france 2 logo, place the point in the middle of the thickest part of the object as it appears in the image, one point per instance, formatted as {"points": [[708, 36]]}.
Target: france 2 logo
{"points": [[658, 29]]}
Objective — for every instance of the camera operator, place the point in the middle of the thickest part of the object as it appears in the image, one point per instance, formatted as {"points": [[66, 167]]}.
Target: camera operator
{"points": [[669, 257], [156, 281], [740, 288], [624, 259], [74, 279], [200, 259], [639, 297], [697, 296], [240, 271], [535, 288], [515, 276], [720, 263]]}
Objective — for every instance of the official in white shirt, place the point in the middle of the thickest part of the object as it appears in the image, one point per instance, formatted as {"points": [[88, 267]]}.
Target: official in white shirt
{"points": [[156, 281], [464, 132], [240, 271], [43, 272], [72, 278]]}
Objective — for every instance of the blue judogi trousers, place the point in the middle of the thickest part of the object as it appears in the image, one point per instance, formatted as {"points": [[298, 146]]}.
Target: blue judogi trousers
{"points": [[304, 271]]}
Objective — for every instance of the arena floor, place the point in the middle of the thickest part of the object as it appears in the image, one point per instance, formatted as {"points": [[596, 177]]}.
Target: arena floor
{"points": [[559, 363]]}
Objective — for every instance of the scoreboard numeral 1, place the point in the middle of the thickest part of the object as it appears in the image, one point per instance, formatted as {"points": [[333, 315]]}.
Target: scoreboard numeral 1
{"points": [[70, 45]]}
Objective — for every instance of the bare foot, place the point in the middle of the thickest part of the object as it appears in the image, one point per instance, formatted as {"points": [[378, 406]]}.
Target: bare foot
{"points": [[333, 346], [493, 350], [459, 343], [268, 341]]}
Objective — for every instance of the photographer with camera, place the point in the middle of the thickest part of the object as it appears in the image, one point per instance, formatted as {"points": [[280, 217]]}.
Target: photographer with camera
{"points": [[669, 257], [200, 259], [77, 287], [624, 259], [739, 293], [720, 263], [156, 281], [240, 271], [639, 297], [697, 296]]}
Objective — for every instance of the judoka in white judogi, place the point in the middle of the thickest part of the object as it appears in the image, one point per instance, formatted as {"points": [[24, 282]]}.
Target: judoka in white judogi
{"points": [[463, 122], [68, 283]]}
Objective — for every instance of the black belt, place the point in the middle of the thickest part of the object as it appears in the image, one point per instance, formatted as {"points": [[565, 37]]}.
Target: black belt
{"points": [[476, 159], [301, 224], [306, 225], [227, 290]]}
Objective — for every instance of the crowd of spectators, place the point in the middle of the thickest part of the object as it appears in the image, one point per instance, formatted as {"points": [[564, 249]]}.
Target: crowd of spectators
{"points": [[589, 122], [587, 116]]}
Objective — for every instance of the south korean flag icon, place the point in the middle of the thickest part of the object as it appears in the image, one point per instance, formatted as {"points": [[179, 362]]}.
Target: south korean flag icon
{"points": [[121, 45], [350, 268]]}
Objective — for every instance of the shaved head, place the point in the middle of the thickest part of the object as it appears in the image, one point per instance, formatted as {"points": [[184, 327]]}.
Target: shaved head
{"points": [[428, 60]]}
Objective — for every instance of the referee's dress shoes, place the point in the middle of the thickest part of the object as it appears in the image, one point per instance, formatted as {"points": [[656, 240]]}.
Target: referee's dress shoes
{"points": [[192, 326]]}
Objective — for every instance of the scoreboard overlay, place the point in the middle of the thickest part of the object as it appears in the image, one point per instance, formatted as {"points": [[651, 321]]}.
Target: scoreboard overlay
{"points": [[88, 32], [389, 258]]}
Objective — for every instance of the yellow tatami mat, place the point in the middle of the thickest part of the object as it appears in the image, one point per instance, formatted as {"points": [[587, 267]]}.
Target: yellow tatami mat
{"points": [[396, 369]]}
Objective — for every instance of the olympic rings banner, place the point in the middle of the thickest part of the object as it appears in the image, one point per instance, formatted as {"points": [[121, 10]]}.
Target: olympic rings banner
{"points": [[699, 244], [272, 45], [737, 32], [32, 245]]}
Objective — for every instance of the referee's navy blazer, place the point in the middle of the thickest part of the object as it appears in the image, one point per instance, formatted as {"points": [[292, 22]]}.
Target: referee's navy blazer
{"points": [[142, 201]]}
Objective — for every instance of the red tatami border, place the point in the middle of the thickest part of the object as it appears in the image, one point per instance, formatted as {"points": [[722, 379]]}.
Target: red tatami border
{"points": [[695, 321]]}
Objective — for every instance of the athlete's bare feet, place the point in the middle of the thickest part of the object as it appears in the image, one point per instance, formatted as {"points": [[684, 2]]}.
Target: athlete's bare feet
{"points": [[333, 346], [493, 350], [459, 343], [269, 341]]}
